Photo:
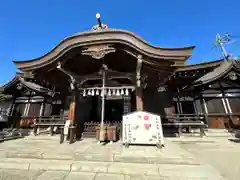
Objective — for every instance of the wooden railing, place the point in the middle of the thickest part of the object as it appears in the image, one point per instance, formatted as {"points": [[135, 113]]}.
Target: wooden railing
{"points": [[28, 121], [182, 117], [230, 120]]}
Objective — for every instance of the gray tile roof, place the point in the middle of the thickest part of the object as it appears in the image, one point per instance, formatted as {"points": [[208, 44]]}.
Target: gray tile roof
{"points": [[218, 72], [35, 87], [30, 85]]}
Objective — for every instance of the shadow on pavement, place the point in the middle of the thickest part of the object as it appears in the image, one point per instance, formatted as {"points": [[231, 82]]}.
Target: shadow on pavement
{"points": [[234, 140]]}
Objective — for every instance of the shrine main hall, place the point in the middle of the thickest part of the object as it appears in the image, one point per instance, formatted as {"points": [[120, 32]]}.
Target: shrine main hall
{"points": [[71, 80]]}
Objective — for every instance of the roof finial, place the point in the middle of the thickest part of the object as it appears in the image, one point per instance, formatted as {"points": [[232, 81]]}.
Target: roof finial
{"points": [[99, 26]]}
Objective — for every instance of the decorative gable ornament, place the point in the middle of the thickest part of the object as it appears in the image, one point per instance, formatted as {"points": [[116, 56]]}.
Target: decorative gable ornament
{"points": [[99, 51], [99, 28], [19, 86], [232, 76]]}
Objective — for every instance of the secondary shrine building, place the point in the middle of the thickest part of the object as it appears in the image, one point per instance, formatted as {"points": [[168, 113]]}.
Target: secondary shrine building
{"points": [[70, 81]]}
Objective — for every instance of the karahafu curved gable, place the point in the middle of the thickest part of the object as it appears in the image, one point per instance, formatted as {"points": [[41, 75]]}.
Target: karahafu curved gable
{"points": [[105, 36]]}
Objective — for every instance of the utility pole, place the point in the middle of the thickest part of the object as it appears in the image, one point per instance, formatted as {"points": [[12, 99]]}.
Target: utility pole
{"points": [[221, 41]]}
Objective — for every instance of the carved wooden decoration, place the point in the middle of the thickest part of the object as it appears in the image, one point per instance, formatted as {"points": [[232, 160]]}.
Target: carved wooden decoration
{"points": [[99, 51]]}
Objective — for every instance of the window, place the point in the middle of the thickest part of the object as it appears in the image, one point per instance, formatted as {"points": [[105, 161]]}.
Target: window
{"points": [[176, 109], [47, 109], [56, 109], [199, 106], [188, 107], [34, 109], [234, 103], [19, 109], [215, 105]]}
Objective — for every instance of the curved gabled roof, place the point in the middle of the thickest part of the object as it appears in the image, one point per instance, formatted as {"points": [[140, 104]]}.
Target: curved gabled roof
{"points": [[27, 84], [223, 69], [200, 65], [10, 83], [104, 36]]}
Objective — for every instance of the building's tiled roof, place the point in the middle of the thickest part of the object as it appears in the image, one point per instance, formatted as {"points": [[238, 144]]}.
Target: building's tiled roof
{"points": [[27, 84], [35, 87], [218, 72], [199, 66]]}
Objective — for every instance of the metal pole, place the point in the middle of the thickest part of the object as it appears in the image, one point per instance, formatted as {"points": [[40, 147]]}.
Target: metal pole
{"points": [[219, 40], [99, 23], [99, 20], [102, 131]]}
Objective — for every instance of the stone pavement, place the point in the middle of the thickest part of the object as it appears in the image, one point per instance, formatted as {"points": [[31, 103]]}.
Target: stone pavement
{"points": [[221, 152], [42, 157]]}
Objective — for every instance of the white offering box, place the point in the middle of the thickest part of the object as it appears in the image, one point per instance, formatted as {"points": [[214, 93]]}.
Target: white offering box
{"points": [[142, 128]]}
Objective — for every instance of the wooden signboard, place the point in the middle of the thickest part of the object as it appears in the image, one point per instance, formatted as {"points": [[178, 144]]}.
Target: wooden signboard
{"points": [[142, 128]]}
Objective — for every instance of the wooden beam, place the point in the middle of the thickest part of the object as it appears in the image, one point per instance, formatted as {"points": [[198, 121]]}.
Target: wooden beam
{"points": [[110, 75], [158, 68]]}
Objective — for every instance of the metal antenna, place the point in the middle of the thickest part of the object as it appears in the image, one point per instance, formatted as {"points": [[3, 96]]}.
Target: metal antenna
{"points": [[221, 41]]}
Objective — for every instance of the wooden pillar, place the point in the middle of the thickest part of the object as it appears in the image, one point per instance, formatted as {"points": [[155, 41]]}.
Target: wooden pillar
{"points": [[204, 107], [72, 110], [11, 111], [71, 115], [194, 103], [139, 98], [227, 108], [12, 107], [179, 103], [224, 99], [42, 109]]}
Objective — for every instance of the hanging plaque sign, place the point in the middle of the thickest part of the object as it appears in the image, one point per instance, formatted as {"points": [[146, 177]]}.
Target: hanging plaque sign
{"points": [[142, 128]]}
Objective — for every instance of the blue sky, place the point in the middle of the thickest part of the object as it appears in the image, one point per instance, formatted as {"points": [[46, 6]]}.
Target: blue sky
{"points": [[30, 28]]}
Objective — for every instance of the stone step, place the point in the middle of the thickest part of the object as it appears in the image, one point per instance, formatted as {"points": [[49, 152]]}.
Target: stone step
{"points": [[162, 170], [218, 133], [101, 158], [89, 135]]}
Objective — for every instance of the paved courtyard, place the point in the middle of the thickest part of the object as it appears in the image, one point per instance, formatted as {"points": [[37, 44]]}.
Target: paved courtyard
{"points": [[221, 153], [189, 158]]}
